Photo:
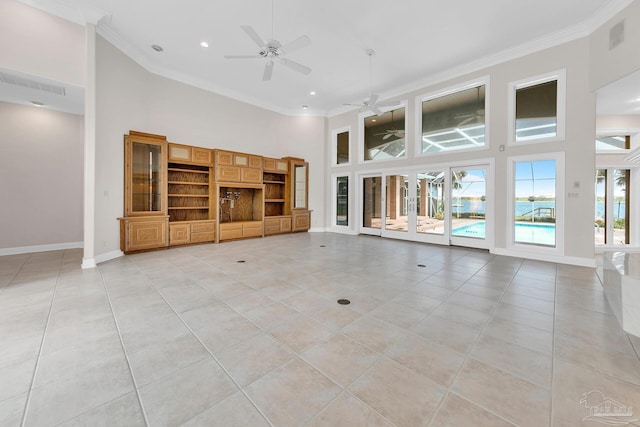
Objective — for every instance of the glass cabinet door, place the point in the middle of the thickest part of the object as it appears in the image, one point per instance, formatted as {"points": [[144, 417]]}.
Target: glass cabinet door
{"points": [[300, 176], [145, 177]]}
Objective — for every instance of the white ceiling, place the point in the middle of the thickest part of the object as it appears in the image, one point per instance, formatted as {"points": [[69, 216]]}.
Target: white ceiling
{"points": [[417, 42]]}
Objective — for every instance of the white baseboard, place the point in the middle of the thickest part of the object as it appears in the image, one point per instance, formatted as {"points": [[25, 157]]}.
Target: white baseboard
{"points": [[41, 248], [108, 256], [317, 230], [582, 262], [342, 230], [88, 263]]}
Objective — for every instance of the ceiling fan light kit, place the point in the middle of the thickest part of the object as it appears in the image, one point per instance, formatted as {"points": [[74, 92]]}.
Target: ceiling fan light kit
{"points": [[272, 50]]}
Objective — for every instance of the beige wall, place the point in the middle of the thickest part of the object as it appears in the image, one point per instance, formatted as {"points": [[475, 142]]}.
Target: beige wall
{"points": [[35, 42], [130, 98], [40, 176], [577, 146]]}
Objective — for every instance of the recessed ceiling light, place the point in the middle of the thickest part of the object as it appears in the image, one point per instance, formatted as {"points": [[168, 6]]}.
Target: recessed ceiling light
{"points": [[37, 104], [204, 44], [305, 107], [313, 92], [373, 120], [157, 48]]}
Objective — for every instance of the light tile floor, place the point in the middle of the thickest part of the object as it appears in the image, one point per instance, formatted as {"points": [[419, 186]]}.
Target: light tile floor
{"points": [[434, 336]]}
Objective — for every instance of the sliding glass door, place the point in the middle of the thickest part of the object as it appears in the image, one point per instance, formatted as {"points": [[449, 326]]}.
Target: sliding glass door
{"points": [[441, 205], [371, 207], [468, 204]]}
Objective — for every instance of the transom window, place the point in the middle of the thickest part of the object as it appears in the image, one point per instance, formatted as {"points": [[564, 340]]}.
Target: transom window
{"points": [[454, 121], [384, 136], [536, 108]]}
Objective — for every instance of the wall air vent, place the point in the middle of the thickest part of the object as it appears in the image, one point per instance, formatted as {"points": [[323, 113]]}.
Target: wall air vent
{"points": [[616, 35], [31, 84]]}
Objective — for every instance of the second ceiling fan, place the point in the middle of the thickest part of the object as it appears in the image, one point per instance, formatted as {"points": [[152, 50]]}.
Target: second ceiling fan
{"points": [[274, 51], [371, 102]]}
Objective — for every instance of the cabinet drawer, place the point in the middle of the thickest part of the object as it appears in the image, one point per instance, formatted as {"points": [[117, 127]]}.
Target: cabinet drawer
{"points": [[282, 166], [269, 164], [179, 152], [271, 225], [205, 227], [228, 173], [252, 229], [224, 158], [179, 234], [251, 175], [203, 237], [201, 155], [255, 162], [241, 160], [230, 231]]}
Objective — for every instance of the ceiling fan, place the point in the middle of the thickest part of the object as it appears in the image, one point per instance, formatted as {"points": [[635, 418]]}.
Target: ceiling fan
{"points": [[474, 115], [370, 102], [272, 50], [393, 132]]}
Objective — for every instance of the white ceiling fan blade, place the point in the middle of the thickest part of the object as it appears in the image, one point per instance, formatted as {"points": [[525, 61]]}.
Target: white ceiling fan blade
{"points": [[372, 99], [295, 66], [253, 35], [298, 43], [387, 136], [268, 70], [242, 56], [376, 110], [354, 105], [389, 104]]}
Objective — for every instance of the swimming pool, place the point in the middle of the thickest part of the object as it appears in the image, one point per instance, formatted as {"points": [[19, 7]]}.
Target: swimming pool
{"points": [[539, 234]]}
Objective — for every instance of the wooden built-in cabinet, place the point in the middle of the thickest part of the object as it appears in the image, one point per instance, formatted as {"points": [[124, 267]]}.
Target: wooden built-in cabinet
{"points": [[241, 208], [277, 206], [238, 167], [144, 224], [186, 232], [178, 194], [301, 215], [191, 205], [187, 154]]}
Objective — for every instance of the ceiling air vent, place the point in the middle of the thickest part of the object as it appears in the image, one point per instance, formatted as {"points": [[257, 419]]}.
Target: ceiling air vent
{"points": [[616, 35], [31, 84]]}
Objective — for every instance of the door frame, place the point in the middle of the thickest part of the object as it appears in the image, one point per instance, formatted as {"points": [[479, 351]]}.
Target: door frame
{"points": [[446, 238]]}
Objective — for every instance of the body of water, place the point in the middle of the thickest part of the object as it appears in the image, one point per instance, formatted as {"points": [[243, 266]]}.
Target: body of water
{"points": [[539, 234]]}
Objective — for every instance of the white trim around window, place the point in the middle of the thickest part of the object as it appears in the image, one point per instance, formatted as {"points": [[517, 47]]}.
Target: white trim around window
{"points": [[561, 77], [531, 250], [407, 135], [334, 147], [481, 81], [333, 227]]}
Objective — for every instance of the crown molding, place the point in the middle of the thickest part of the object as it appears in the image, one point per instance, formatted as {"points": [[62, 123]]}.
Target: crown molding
{"points": [[74, 11], [145, 62]]}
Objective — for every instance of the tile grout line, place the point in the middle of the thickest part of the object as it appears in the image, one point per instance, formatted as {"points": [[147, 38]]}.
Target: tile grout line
{"points": [[553, 350], [126, 356], [291, 350], [3, 288], [241, 389], [468, 354], [44, 333]]}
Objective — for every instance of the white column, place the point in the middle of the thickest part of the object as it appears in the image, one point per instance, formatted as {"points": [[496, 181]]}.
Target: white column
{"points": [[88, 260]]}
